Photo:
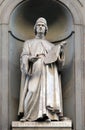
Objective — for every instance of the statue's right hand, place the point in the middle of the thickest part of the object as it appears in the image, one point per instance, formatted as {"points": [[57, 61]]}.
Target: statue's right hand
{"points": [[24, 64], [24, 68]]}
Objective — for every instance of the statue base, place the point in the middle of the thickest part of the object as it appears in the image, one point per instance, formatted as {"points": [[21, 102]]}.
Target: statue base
{"points": [[53, 125]]}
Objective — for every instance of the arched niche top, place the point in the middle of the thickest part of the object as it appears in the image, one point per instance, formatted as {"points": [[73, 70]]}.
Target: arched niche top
{"points": [[58, 17], [7, 6]]}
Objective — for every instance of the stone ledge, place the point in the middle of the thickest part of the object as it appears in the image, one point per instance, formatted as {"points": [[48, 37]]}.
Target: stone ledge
{"points": [[59, 125]]}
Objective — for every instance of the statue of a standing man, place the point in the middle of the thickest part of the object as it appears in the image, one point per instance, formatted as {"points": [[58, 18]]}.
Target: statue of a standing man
{"points": [[40, 94]]}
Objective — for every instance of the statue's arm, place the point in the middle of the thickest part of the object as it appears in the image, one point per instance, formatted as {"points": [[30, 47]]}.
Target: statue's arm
{"points": [[24, 65]]}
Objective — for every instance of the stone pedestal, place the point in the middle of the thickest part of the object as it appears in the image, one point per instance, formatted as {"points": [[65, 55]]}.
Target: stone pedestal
{"points": [[60, 125]]}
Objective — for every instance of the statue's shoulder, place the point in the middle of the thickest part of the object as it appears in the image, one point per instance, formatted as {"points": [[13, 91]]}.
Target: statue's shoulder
{"points": [[29, 41], [49, 43]]}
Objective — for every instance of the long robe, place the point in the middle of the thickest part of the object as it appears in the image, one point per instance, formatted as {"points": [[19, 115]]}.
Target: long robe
{"points": [[41, 93]]}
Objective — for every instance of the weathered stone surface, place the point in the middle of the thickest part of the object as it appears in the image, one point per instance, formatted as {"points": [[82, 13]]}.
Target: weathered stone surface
{"points": [[76, 103], [60, 125]]}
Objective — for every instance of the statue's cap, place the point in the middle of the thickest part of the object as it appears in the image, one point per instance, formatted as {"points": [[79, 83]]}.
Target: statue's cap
{"points": [[41, 20]]}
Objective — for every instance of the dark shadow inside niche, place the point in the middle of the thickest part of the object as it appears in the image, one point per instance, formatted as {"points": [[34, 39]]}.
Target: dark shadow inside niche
{"points": [[58, 17]]}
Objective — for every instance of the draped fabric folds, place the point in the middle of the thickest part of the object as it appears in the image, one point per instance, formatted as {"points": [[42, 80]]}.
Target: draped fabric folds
{"points": [[40, 93]]}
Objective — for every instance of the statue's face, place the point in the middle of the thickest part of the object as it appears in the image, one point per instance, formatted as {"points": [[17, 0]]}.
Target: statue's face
{"points": [[40, 28]]}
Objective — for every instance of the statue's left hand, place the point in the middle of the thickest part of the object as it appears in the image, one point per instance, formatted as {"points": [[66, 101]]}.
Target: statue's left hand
{"points": [[33, 58]]}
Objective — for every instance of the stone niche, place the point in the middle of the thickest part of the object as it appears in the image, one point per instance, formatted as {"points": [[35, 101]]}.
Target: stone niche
{"points": [[60, 24]]}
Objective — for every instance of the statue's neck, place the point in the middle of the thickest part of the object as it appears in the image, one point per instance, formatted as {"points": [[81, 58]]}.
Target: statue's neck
{"points": [[40, 36]]}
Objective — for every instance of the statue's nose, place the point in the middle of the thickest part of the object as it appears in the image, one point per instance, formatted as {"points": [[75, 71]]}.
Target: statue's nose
{"points": [[40, 27]]}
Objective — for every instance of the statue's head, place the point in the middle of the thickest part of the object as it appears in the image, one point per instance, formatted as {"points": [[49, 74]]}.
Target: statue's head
{"points": [[43, 21]]}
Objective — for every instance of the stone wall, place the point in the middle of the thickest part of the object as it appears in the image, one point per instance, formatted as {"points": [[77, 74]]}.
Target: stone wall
{"points": [[74, 106]]}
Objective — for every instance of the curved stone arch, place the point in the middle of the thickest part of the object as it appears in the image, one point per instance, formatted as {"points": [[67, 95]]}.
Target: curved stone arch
{"points": [[73, 6], [6, 9], [8, 6]]}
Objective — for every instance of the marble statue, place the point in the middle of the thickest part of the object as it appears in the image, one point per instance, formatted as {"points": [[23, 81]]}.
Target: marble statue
{"points": [[41, 62]]}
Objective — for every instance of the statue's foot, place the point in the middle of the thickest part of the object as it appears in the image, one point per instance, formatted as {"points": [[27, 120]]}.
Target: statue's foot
{"points": [[62, 118], [23, 120], [48, 120]]}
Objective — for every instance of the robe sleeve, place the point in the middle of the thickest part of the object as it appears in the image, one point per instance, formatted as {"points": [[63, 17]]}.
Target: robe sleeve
{"points": [[24, 60]]}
